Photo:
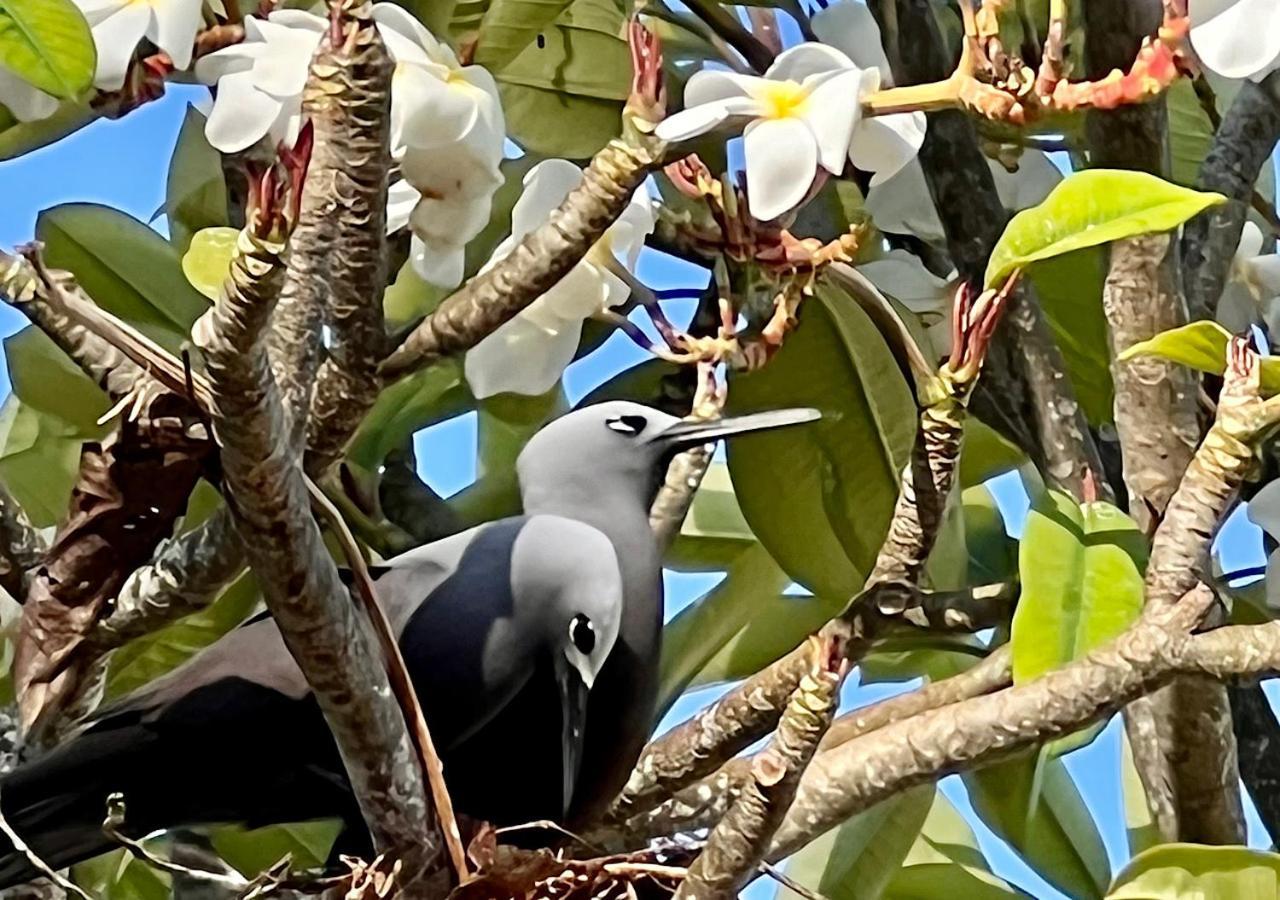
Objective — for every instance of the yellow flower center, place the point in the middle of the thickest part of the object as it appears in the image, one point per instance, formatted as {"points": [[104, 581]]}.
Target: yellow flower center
{"points": [[783, 99]]}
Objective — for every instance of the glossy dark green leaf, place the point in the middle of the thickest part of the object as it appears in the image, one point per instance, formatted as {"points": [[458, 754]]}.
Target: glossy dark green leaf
{"points": [[860, 858], [1059, 838], [820, 496], [985, 453], [640, 384], [1177, 871], [196, 190], [406, 407], [47, 43], [509, 26], [125, 266], [1091, 208], [993, 555], [559, 123]]}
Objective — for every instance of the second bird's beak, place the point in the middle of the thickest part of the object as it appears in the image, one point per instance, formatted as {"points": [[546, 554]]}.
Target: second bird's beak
{"points": [[573, 719], [691, 433]]}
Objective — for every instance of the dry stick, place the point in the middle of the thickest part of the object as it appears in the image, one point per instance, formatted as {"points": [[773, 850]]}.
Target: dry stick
{"points": [[1160, 646]]}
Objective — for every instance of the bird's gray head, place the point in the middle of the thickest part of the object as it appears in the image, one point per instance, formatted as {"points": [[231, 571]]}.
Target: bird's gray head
{"points": [[599, 450]]}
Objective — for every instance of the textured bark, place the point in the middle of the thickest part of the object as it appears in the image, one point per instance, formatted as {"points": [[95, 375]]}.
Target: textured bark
{"points": [[351, 109], [670, 507], [22, 548], [267, 494], [1024, 391], [739, 841], [537, 263], [131, 489], [1241, 147]]}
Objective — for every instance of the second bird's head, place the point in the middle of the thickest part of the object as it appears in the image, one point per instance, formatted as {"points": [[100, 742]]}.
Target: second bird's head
{"points": [[622, 448]]}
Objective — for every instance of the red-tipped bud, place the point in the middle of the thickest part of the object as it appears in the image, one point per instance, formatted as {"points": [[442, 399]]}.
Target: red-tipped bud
{"points": [[690, 176], [648, 98], [275, 191]]}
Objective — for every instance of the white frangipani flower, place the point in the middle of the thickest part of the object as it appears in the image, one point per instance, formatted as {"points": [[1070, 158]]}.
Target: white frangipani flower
{"points": [[1264, 511], [1253, 285], [26, 101], [904, 277], [118, 26], [902, 205], [1236, 38], [260, 80], [528, 354]]}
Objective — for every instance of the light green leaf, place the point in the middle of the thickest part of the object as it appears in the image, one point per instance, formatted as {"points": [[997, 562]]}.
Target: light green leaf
{"points": [[714, 533], [858, 860], [779, 624], [1177, 871], [251, 852], [1090, 208], [196, 190], [1202, 346], [945, 861], [1069, 289], [509, 26], [119, 876], [39, 459], [751, 591], [147, 658], [48, 44], [1140, 825], [207, 260], [985, 453], [125, 266], [1059, 839], [1081, 567], [820, 496], [45, 378]]}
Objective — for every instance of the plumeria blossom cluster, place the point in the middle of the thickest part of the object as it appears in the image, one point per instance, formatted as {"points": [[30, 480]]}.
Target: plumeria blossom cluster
{"points": [[1236, 38], [447, 128], [1252, 292], [528, 354], [805, 114]]}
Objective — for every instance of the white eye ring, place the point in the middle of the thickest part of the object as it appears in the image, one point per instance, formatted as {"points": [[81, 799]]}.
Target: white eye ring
{"points": [[628, 425]]}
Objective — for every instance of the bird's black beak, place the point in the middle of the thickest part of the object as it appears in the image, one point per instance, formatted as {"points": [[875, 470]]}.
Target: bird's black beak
{"points": [[573, 719], [692, 433]]}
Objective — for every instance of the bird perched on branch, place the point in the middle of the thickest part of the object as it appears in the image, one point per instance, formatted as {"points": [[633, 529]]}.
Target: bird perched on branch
{"points": [[533, 643]]}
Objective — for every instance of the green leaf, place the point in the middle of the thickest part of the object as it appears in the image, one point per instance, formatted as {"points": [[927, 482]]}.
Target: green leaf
{"points": [[714, 532], [859, 859], [945, 861], [1081, 567], [196, 191], [147, 658], [39, 459], [406, 407], [751, 591], [985, 453], [45, 378], [119, 876], [1202, 346], [559, 123], [207, 260], [1059, 838], [252, 852], [17, 138], [1069, 288], [434, 14], [1090, 208], [1176, 871], [1140, 825], [993, 555], [509, 26], [126, 267], [820, 496], [48, 44]]}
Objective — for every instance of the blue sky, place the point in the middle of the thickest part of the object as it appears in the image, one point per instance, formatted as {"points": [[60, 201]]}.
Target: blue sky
{"points": [[123, 164]]}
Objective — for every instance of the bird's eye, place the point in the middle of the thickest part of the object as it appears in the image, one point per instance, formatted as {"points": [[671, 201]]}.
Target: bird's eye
{"points": [[628, 425], [582, 633]]}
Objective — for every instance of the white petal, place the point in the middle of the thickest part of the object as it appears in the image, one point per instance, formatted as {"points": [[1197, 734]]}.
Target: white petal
{"points": [[441, 264], [521, 358], [832, 111], [1266, 273], [282, 70], [227, 61], [625, 238], [1264, 509], [781, 158], [299, 20], [709, 85], [456, 220], [27, 102], [116, 37], [401, 199], [97, 10], [174, 24], [902, 205], [432, 112], [242, 114], [885, 144], [545, 187], [901, 275], [803, 60], [450, 171], [695, 120], [850, 27], [402, 23], [578, 294], [1236, 38], [1251, 241]]}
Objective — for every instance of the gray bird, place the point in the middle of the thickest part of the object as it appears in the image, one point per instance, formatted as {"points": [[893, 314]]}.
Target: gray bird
{"points": [[533, 642]]}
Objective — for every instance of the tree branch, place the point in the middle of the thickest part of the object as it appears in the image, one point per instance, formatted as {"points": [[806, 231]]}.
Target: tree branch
{"points": [[22, 548]]}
